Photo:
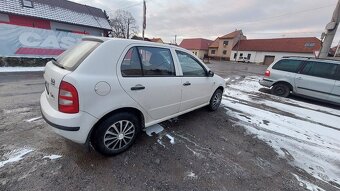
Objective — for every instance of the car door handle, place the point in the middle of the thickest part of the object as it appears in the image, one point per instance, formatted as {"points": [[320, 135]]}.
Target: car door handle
{"points": [[137, 87], [187, 84], [299, 78]]}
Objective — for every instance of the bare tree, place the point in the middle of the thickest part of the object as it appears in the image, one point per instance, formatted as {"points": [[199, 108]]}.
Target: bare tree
{"points": [[123, 24]]}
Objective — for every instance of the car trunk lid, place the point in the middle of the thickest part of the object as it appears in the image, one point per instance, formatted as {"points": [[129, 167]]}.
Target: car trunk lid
{"points": [[53, 76]]}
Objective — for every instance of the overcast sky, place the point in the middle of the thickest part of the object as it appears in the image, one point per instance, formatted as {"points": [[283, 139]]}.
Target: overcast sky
{"points": [[212, 18]]}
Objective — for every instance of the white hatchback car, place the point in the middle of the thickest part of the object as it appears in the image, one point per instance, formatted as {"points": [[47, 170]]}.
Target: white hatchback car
{"points": [[105, 91]]}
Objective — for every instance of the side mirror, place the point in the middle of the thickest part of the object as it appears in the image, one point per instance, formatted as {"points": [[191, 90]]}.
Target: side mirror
{"points": [[211, 73]]}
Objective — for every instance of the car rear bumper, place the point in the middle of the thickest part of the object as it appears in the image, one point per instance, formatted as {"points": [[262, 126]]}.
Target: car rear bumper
{"points": [[75, 127], [266, 82]]}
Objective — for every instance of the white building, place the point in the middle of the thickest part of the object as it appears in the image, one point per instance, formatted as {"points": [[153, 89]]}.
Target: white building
{"points": [[267, 50]]}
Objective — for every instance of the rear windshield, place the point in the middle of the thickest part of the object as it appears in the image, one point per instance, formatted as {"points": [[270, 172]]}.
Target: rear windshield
{"points": [[73, 57]]}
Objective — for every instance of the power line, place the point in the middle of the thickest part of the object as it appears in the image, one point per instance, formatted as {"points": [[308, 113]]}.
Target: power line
{"points": [[316, 32], [285, 14], [131, 5]]}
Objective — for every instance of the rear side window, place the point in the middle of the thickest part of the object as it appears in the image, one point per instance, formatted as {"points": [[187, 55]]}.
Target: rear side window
{"points": [[73, 57], [148, 62], [131, 65], [288, 65], [320, 69]]}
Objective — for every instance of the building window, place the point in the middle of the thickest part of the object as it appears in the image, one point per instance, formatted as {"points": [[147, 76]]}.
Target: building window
{"points": [[241, 56], [235, 55], [213, 51], [27, 3], [225, 43], [248, 57], [224, 52]]}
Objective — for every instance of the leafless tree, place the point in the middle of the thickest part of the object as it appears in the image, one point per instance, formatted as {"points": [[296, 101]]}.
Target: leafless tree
{"points": [[123, 24]]}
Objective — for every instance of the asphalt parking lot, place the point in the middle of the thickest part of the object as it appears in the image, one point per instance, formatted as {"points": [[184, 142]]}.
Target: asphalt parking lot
{"points": [[209, 151]]}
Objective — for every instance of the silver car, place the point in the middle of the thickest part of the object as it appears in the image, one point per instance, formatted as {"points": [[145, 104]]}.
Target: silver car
{"points": [[313, 78]]}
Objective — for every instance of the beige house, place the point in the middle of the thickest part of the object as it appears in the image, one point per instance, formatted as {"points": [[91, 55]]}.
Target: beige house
{"points": [[221, 48], [198, 46], [158, 40]]}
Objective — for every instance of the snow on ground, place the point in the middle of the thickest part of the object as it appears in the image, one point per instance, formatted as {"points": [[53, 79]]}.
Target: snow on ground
{"points": [[15, 156], [307, 135], [21, 69], [307, 185], [52, 157]]}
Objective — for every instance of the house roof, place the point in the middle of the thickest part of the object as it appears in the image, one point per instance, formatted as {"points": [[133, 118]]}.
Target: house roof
{"points": [[232, 35], [215, 43], [156, 40], [59, 10], [196, 44], [295, 45]]}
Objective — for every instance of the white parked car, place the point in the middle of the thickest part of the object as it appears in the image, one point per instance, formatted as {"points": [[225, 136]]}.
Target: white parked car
{"points": [[308, 77], [105, 91]]}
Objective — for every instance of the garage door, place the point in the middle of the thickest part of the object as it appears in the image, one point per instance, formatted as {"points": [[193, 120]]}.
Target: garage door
{"points": [[268, 60]]}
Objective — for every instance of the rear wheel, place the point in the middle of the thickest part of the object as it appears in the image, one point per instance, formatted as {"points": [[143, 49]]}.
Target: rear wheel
{"points": [[215, 100], [116, 134], [281, 89]]}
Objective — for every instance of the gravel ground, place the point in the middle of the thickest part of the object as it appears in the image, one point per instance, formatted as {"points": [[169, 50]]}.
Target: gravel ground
{"points": [[210, 151]]}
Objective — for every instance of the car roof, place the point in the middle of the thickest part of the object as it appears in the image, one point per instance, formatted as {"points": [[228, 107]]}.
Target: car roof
{"points": [[129, 41], [328, 60]]}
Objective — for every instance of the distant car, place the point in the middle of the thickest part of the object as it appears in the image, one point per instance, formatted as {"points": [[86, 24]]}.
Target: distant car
{"points": [[105, 91], [308, 77], [243, 59]]}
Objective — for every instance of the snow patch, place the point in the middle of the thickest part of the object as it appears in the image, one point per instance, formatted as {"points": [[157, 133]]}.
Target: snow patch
{"points": [[22, 69], [307, 185], [308, 138], [52, 157], [15, 156], [34, 119], [172, 139], [191, 176]]}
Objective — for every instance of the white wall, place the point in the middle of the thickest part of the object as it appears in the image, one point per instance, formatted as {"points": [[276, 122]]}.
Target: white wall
{"points": [[65, 26], [199, 53], [258, 57]]}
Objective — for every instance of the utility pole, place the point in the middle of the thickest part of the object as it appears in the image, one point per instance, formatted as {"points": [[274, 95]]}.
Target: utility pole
{"points": [[175, 39], [328, 36], [144, 18], [128, 29]]}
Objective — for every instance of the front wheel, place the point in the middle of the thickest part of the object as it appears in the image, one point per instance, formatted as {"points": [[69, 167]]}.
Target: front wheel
{"points": [[116, 134], [215, 100], [281, 89]]}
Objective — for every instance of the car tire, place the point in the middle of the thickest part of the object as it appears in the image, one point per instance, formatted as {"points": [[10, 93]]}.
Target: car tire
{"points": [[215, 100], [116, 134], [281, 89]]}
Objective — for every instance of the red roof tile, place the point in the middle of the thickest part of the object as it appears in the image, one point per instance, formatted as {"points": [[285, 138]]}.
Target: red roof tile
{"points": [[195, 44], [296, 45]]}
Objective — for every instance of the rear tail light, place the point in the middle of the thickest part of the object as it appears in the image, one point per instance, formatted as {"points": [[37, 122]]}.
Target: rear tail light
{"points": [[68, 101], [267, 73]]}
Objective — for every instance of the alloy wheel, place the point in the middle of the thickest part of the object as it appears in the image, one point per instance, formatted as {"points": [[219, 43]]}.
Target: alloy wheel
{"points": [[119, 135]]}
